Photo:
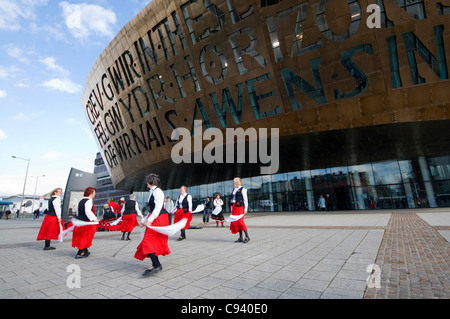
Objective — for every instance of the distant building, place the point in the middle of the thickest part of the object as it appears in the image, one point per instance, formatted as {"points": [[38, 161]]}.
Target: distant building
{"points": [[105, 186], [30, 202], [77, 182]]}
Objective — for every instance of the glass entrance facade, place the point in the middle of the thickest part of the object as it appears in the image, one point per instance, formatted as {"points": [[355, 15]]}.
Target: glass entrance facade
{"points": [[397, 184]]}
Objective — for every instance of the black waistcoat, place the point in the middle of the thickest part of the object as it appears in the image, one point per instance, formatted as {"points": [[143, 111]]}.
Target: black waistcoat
{"points": [[184, 203], [238, 198], [51, 208], [81, 211], [130, 207]]}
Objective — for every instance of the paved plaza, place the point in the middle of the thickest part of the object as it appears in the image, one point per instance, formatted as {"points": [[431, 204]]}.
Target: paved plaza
{"points": [[312, 255]]}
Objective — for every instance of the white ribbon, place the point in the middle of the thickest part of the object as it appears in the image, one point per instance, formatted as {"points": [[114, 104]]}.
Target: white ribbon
{"points": [[217, 210], [199, 209], [165, 230], [118, 220], [60, 238], [171, 229], [75, 223], [234, 218]]}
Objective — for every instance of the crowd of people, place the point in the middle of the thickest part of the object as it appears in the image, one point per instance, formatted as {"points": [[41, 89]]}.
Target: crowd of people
{"points": [[126, 215]]}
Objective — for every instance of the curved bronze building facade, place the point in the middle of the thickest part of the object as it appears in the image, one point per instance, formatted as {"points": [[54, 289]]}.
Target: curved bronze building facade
{"points": [[358, 89]]}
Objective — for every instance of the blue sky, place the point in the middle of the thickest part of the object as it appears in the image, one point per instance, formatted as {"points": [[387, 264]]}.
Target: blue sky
{"points": [[47, 49]]}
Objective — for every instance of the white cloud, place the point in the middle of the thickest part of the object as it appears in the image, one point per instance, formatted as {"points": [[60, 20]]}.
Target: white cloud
{"points": [[3, 94], [50, 63], [63, 85], [3, 135], [24, 117], [9, 72], [51, 155], [13, 12], [19, 53], [84, 20]]}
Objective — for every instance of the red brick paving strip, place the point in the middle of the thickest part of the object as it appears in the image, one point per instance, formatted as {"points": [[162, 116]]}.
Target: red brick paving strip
{"points": [[414, 261]]}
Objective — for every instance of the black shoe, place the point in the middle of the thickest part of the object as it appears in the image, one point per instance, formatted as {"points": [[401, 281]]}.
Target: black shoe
{"points": [[246, 240], [123, 237], [83, 254], [49, 248], [128, 238], [239, 240], [181, 238], [152, 271]]}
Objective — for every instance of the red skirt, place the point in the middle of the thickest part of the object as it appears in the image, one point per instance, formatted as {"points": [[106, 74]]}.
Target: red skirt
{"points": [[50, 228], [82, 236], [180, 214], [128, 223], [154, 242], [238, 225]]}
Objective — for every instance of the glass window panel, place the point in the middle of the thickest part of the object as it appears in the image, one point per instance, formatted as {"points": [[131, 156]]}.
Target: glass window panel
{"points": [[279, 183], [320, 178], [442, 189], [203, 191], [439, 167], [365, 175], [386, 173], [339, 175], [266, 184], [256, 184], [295, 181]]}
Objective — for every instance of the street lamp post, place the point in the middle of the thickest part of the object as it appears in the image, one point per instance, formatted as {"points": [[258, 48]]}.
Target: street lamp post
{"points": [[25, 182], [35, 189]]}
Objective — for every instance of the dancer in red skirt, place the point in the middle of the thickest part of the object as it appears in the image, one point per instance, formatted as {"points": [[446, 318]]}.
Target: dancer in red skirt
{"points": [[129, 221], [83, 235], [52, 224], [184, 210], [239, 206], [154, 244]]}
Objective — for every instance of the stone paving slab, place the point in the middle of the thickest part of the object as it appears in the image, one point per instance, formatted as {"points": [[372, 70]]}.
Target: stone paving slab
{"points": [[289, 256]]}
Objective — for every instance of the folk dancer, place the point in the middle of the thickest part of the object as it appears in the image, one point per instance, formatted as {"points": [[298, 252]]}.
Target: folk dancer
{"points": [[184, 210], [83, 235], [239, 207], [154, 243], [129, 211], [52, 224], [217, 213]]}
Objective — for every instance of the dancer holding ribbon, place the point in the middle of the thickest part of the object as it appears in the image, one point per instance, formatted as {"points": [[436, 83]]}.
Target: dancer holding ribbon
{"points": [[217, 213], [184, 210], [154, 242], [52, 225], [85, 224], [129, 221], [239, 207]]}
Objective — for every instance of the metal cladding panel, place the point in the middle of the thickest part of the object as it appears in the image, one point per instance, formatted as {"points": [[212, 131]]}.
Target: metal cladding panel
{"points": [[77, 182]]}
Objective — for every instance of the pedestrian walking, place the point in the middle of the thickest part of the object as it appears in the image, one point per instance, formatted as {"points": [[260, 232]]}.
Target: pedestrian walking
{"points": [[52, 224], [154, 244], [321, 203], [207, 210]]}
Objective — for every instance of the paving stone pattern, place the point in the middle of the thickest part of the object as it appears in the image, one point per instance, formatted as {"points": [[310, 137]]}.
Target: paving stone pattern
{"points": [[289, 256]]}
